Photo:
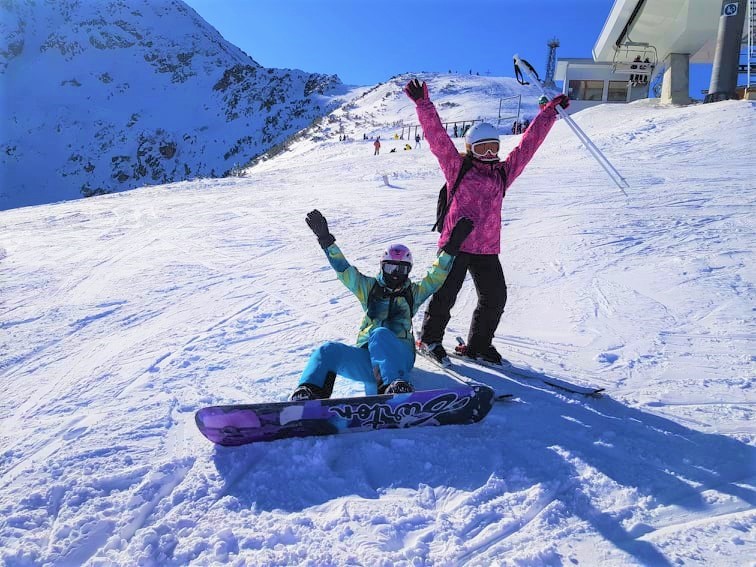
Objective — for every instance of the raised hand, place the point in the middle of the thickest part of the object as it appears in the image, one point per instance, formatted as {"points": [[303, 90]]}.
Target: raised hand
{"points": [[562, 100], [319, 225], [416, 90]]}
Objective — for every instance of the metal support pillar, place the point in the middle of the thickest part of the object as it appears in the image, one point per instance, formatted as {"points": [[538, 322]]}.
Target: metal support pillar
{"points": [[724, 73], [676, 82]]}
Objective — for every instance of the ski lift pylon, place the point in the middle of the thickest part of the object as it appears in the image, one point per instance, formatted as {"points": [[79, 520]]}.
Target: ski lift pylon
{"points": [[636, 59]]}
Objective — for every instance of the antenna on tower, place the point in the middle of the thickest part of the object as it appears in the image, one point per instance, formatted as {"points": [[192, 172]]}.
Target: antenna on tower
{"points": [[548, 82]]}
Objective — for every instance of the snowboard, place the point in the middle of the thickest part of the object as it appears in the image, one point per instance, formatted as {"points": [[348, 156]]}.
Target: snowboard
{"points": [[234, 425]]}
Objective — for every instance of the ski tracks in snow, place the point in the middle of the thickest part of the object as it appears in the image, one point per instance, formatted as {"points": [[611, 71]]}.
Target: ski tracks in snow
{"points": [[489, 530], [125, 313], [230, 311]]}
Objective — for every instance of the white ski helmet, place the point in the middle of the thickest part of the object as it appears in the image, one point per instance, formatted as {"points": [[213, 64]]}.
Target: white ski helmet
{"points": [[481, 132]]}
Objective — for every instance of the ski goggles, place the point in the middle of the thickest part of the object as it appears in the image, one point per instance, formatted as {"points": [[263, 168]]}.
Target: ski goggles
{"points": [[486, 147], [397, 268]]}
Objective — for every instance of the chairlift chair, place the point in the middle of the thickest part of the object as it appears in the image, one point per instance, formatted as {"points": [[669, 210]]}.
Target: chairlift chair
{"points": [[636, 59]]}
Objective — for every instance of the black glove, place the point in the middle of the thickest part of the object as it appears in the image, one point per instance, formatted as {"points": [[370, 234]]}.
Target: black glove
{"points": [[562, 100], [416, 91], [319, 225], [461, 230]]}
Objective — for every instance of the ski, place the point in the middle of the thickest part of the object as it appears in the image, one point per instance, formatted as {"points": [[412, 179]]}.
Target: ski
{"points": [[455, 375], [506, 368], [234, 425]]}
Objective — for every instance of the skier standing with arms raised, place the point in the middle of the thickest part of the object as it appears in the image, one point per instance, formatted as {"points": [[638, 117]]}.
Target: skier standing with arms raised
{"points": [[482, 181]]}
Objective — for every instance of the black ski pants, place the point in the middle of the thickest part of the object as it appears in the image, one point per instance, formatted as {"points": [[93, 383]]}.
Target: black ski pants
{"points": [[488, 278]]}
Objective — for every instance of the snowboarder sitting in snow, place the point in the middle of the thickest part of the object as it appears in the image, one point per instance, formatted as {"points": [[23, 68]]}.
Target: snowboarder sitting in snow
{"points": [[385, 350]]}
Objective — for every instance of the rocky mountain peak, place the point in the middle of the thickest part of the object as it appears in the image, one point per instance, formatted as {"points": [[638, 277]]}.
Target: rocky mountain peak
{"points": [[111, 95]]}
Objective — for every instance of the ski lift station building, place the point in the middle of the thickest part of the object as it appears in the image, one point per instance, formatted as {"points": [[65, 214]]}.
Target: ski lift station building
{"points": [[642, 39]]}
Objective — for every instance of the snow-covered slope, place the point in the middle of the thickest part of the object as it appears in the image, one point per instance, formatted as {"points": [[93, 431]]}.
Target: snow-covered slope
{"points": [[123, 314], [385, 111], [111, 95]]}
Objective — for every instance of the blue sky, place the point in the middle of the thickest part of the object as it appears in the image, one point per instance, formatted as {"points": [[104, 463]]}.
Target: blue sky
{"points": [[366, 42]]}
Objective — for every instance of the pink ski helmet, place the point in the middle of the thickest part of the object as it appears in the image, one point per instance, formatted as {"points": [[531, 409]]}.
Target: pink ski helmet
{"points": [[397, 254], [396, 264]]}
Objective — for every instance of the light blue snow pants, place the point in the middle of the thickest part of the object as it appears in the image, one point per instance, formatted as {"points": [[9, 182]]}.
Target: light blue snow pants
{"points": [[393, 357]]}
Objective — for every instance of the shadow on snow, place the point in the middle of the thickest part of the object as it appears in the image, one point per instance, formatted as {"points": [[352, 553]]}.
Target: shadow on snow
{"points": [[543, 436]]}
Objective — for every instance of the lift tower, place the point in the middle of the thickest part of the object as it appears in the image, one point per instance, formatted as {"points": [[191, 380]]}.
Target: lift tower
{"points": [[548, 82]]}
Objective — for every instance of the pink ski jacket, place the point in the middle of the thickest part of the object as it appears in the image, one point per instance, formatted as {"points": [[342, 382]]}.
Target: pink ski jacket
{"points": [[480, 194]]}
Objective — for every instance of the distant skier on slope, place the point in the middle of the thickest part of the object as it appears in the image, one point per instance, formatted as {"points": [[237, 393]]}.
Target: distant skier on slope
{"points": [[479, 197], [385, 350]]}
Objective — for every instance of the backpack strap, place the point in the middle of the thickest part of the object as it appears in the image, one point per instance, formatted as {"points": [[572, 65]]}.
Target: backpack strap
{"points": [[378, 292], [410, 299], [467, 164], [503, 177]]}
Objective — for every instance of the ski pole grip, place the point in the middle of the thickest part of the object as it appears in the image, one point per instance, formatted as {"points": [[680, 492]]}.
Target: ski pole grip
{"points": [[530, 70]]}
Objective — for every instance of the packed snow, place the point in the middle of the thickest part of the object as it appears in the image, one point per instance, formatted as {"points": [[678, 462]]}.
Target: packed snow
{"points": [[122, 315]]}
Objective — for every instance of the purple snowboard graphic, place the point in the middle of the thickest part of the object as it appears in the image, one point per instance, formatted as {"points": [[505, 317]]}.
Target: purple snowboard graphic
{"points": [[241, 424]]}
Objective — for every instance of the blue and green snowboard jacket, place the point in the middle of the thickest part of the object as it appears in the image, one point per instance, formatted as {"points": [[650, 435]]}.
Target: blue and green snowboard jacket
{"points": [[392, 311]]}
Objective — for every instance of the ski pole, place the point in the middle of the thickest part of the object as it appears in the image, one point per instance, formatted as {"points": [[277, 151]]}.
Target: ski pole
{"points": [[610, 170]]}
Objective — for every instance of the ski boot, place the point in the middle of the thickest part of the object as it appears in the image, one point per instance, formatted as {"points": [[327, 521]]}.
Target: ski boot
{"points": [[488, 354], [436, 351], [396, 387], [308, 392]]}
